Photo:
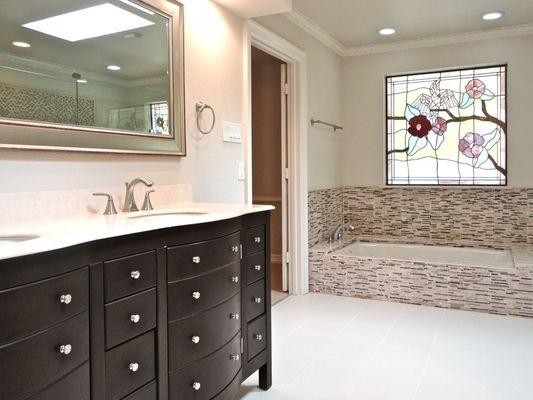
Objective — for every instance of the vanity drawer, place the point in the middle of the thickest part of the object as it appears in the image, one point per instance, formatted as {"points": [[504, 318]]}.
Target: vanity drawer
{"points": [[256, 336], [128, 275], [255, 239], [255, 267], [148, 392], [30, 308], [120, 374], [129, 317], [31, 365], [195, 337], [198, 258], [206, 378], [78, 381], [192, 296], [255, 300]]}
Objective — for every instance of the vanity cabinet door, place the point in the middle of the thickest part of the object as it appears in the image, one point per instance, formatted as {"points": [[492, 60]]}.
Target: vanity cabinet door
{"points": [[148, 392], [198, 258], [255, 300], [195, 337], [255, 267], [129, 275], [77, 382], [192, 296], [257, 337], [33, 364], [130, 366], [129, 317], [255, 239], [208, 377], [30, 308]]}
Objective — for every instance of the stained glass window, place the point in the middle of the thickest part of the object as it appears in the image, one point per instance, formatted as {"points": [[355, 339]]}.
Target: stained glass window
{"points": [[447, 128]]}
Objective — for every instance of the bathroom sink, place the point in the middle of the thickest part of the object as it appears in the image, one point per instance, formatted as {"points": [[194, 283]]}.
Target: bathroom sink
{"points": [[8, 239], [169, 213]]}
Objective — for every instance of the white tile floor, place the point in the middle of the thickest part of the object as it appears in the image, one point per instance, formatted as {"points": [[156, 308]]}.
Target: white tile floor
{"points": [[335, 348]]}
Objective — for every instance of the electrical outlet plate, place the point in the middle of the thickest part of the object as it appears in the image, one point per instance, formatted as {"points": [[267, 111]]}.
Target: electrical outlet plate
{"points": [[232, 132], [241, 171]]}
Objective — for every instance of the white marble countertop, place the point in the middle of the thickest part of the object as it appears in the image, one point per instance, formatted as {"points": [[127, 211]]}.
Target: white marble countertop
{"points": [[60, 233]]}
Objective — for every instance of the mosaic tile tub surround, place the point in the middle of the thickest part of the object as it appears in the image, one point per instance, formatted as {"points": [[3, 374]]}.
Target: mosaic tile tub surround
{"points": [[466, 217], [478, 218]]}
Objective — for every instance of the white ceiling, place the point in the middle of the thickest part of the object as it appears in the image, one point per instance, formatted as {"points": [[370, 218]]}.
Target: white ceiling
{"points": [[355, 23], [256, 8]]}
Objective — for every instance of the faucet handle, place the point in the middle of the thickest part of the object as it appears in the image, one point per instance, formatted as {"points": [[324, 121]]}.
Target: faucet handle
{"points": [[110, 206], [147, 205]]}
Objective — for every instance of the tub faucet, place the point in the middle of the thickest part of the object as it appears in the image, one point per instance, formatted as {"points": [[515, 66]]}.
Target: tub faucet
{"points": [[129, 200], [336, 235]]}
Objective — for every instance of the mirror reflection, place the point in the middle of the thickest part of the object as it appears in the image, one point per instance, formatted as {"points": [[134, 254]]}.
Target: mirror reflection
{"points": [[88, 63]]}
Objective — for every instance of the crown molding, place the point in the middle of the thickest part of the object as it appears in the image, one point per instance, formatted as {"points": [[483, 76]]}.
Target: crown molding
{"points": [[316, 31], [312, 28]]}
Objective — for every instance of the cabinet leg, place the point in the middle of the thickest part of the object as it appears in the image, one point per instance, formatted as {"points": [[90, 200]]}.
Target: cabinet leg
{"points": [[265, 377]]}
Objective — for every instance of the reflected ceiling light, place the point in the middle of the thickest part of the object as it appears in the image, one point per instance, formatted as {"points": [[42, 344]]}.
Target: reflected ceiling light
{"points": [[491, 16], [387, 31], [114, 67], [81, 80], [88, 23], [21, 44], [137, 6]]}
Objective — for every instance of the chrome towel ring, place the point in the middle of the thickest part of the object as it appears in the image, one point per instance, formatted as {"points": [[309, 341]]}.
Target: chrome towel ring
{"points": [[200, 108]]}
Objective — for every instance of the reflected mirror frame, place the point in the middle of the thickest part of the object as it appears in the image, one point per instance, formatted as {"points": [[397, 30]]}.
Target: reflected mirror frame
{"points": [[18, 134]]}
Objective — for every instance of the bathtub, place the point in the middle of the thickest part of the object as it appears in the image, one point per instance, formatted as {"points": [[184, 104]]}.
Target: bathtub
{"points": [[431, 254], [483, 280]]}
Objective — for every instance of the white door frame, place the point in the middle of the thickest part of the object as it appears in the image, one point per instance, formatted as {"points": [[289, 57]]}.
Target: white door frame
{"points": [[258, 36]]}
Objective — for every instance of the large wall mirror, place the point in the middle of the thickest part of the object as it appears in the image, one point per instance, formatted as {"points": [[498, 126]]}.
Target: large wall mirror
{"points": [[92, 75]]}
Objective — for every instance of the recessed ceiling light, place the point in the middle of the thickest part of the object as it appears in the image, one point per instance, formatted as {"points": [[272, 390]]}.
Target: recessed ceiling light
{"points": [[21, 44], [387, 31], [137, 6], [88, 23], [493, 15], [113, 67]]}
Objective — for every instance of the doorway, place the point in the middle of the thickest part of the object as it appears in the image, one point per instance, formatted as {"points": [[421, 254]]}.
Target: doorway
{"points": [[269, 157]]}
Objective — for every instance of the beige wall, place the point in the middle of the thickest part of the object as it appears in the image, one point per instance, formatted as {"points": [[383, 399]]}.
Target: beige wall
{"points": [[324, 101], [213, 73], [363, 95]]}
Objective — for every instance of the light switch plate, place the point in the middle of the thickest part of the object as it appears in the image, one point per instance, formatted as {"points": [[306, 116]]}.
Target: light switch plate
{"points": [[232, 132]]}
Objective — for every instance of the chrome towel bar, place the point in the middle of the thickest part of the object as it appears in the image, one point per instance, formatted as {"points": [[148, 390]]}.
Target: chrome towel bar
{"points": [[335, 127]]}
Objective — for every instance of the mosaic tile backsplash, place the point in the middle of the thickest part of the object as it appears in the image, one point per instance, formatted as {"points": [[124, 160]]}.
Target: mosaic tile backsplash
{"points": [[484, 217]]}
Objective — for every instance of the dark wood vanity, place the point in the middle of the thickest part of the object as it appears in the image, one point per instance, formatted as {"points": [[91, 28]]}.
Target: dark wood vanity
{"points": [[173, 314]]}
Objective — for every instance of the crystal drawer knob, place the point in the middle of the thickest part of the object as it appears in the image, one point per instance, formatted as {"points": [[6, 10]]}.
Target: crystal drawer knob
{"points": [[65, 298], [257, 239], [196, 260], [235, 357], [234, 316], [235, 249], [135, 318], [196, 385], [134, 367], [258, 337], [257, 267], [135, 274], [195, 339], [235, 279], [196, 295], [65, 349], [257, 300]]}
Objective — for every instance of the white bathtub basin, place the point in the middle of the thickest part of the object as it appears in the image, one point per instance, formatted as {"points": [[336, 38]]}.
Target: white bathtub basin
{"points": [[431, 254]]}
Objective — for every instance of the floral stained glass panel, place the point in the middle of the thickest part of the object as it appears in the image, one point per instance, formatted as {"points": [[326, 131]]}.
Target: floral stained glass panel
{"points": [[447, 128]]}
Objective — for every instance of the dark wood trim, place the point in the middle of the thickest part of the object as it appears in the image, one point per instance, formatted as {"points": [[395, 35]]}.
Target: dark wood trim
{"points": [[162, 325], [265, 372], [97, 342]]}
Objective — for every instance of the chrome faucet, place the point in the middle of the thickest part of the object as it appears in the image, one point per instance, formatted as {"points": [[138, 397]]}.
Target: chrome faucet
{"points": [[336, 235], [129, 200]]}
